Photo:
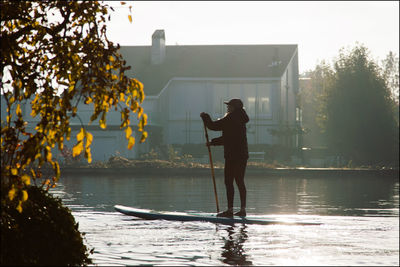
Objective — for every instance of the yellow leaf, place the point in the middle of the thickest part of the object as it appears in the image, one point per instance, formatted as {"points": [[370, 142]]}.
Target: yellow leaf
{"points": [[49, 155], [19, 84], [140, 112], [144, 136], [88, 155], [33, 173], [36, 99], [77, 149], [18, 110], [143, 122], [130, 18], [140, 85], [51, 134], [24, 195], [107, 67], [80, 135], [134, 105], [102, 124], [131, 142], [128, 99], [89, 139], [111, 58], [144, 118], [128, 132], [11, 193], [26, 179], [19, 208], [60, 146], [58, 173], [14, 171]]}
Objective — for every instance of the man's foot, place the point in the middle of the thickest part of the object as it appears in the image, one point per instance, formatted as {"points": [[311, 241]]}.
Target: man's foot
{"points": [[241, 213], [228, 214]]}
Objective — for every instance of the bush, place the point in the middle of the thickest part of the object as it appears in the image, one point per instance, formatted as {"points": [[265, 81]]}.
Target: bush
{"points": [[44, 233]]}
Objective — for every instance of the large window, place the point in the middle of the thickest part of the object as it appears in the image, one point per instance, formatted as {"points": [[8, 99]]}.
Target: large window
{"points": [[251, 105], [256, 97], [263, 96], [264, 106], [249, 98]]}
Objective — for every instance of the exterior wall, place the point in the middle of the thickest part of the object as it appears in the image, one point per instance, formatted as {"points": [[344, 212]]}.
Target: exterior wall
{"points": [[289, 87], [152, 108], [183, 99]]}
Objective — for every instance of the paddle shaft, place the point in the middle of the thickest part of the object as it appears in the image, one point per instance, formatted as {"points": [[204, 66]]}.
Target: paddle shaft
{"points": [[212, 167]]}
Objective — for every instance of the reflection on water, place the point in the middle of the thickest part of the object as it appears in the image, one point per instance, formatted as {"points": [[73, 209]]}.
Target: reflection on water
{"points": [[359, 216], [233, 252]]}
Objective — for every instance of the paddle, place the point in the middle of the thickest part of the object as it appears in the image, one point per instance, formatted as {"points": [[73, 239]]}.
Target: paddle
{"points": [[212, 167]]}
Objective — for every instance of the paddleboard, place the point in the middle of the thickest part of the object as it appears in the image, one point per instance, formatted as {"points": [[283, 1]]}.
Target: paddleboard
{"points": [[175, 216]]}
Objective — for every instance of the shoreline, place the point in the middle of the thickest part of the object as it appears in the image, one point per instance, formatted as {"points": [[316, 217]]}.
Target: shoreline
{"points": [[288, 172]]}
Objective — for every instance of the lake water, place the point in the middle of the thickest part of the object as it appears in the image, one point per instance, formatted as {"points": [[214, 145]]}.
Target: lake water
{"points": [[359, 216]]}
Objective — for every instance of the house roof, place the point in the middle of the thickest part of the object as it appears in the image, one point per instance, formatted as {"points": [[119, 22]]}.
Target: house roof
{"points": [[207, 61]]}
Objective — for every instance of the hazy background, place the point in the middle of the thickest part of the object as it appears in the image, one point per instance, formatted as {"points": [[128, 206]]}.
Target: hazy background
{"points": [[320, 28]]}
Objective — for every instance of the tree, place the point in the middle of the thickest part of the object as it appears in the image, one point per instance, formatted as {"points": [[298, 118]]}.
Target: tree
{"points": [[313, 88], [357, 112], [391, 74], [56, 54]]}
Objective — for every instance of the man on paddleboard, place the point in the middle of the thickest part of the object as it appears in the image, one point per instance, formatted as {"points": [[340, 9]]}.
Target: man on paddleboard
{"points": [[234, 140]]}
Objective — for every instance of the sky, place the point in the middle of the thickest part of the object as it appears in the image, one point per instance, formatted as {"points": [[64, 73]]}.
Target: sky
{"points": [[319, 28]]}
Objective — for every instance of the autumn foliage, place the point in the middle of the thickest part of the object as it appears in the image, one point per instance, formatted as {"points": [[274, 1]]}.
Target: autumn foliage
{"points": [[55, 55]]}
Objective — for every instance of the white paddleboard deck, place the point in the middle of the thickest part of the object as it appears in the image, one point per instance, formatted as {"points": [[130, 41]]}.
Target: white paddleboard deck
{"points": [[174, 216]]}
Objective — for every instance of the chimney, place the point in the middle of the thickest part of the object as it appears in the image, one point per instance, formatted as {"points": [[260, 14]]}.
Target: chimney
{"points": [[158, 47]]}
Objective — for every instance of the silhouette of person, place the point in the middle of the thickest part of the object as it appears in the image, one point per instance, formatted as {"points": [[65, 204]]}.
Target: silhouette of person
{"points": [[234, 140]]}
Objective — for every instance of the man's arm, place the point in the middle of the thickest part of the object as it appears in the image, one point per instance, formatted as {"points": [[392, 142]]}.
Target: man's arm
{"points": [[219, 141], [217, 125]]}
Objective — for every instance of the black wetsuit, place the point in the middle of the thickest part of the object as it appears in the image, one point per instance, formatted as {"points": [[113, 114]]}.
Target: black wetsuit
{"points": [[234, 140]]}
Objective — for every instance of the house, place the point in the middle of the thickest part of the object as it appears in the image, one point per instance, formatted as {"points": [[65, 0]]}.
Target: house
{"points": [[180, 82]]}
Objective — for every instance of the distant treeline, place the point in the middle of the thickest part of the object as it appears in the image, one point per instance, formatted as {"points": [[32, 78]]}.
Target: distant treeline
{"points": [[352, 107]]}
